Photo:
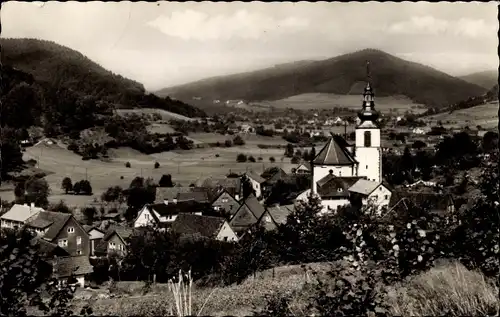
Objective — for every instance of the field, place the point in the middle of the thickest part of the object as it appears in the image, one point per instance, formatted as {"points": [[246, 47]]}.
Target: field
{"points": [[166, 115], [484, 115], [184, 166], [399, 104]]}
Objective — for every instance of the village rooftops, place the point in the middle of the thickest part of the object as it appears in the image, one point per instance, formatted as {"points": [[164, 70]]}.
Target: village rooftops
{"points": [[21, 213], [332, 186], [256, 177], [335, 152], [206, 226], [364, 187]]}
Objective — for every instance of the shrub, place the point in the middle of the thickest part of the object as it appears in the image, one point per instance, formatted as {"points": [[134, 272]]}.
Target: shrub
{"points": [[127, 165], [228, 143], [251, 159], [241, 158], [238, 140], [272, 159], [157, 165], [295, 160]]}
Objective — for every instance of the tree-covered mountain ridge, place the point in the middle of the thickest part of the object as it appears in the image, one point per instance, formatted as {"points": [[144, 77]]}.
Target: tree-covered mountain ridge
{"points": [[58, 66]]}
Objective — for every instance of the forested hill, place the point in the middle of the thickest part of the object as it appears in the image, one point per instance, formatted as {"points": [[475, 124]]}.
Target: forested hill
{"points": [[57, 66], [339, 75]]}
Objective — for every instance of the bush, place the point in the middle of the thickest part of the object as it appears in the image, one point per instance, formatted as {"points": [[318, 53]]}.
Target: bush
{"points": [[238, 140], [127, 165], [272, 159], [251, 159], [295, 160], [228, 143], [241, 158], [157, 165]]}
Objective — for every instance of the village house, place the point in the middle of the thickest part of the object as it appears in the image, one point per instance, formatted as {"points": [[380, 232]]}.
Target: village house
{"points": [[207, 226], [256, 181], [214, 184], [225, 203], [63, 229], [72, 269], [275, 216], [114, 241], [377, 194], [95, 237], [303, 169], [17, 216], [170, 193], [273, 176], [163, 214], [247, 215]]}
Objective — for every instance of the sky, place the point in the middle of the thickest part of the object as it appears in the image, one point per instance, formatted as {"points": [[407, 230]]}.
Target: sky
{"points": [[169, 43]]}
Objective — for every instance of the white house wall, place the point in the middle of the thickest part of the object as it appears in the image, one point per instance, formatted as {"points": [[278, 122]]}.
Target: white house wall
{"points": [[380, 197], [226, 231], [144, 219], [256, 187]]}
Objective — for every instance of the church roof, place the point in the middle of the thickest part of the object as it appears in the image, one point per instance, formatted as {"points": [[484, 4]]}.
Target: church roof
{"points": [[332, 186], [335, 153]]}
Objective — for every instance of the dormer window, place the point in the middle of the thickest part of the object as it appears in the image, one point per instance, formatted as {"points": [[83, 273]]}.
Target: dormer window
{"points": [[71, 229], [339, 190]]}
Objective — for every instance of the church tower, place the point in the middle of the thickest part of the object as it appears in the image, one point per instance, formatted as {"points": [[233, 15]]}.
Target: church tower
{"points": [[368, 152]]}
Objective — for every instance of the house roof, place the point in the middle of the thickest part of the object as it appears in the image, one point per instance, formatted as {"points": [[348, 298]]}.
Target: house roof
{"points": [[179, 207], [334, 153], [254, 206], [55, 221], [198, 196], [364, 187], [256, 177], [20, 213], [229, 184], [279, 213], [307, 165], [279, 175], [206, 226], [335, 187], [122, 232], [242, 219], [432, 201], [72, 265], [170, 193], [49, 249]]}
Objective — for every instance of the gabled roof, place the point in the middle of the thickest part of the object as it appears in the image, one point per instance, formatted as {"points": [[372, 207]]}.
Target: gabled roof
{"points": [[242, 219], [280, 175], [48, 249], [54, 221], [259, 179], [189, 206], [334, 153], [254, 206], [307, 165], [20, 213], [227, 183], [123, 232], [364, 187], [72, 265], [280, 213], [170, 193], [206, 226]]}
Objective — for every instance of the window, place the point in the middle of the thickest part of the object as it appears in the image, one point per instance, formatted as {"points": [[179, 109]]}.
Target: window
{"points": [[71, 229], [63, 243], [368, 139], [225, 238], [112, 245], [386, 196], [225, 200], [78, 240], [366, 166]]}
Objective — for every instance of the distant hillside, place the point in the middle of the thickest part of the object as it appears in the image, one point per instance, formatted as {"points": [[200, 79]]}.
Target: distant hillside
{"points": [[485, 79], [341, 75], [57, 66]]}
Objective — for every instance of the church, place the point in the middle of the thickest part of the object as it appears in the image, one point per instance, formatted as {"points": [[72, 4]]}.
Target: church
{"points": [[341, 170]]}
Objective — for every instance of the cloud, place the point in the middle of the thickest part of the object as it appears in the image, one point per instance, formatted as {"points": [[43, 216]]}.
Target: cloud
{"points": [[430, 25], [190, 24]]}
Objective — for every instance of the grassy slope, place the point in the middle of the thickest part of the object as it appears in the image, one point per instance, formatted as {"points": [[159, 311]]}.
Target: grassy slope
{"points": [[486, 79], [485, 115], [448, 286], [341, 75]]}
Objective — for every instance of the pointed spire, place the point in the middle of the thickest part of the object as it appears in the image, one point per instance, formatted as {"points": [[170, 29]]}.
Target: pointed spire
{"points": [[368, 111]]}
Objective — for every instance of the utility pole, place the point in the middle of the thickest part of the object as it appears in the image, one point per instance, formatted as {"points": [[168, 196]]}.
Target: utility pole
{"points": [[86, 173]]}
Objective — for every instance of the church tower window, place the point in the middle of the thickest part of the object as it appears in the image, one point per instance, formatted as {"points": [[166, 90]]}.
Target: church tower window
{"points": [[368, 139]]}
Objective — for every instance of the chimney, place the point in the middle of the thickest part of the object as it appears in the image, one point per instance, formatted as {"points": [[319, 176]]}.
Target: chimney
{"points": [[237, 197], [32, 205]]}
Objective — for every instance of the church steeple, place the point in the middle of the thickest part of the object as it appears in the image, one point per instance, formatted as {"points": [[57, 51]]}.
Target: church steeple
{"points": [[368, 112]]}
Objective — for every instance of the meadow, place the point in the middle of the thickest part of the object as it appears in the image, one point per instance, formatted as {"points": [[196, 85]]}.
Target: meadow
{"points": [[165, 115], [485, 115], [184, 166], [398, 104]]}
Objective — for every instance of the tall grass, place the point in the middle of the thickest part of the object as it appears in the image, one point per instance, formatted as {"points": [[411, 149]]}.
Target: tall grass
{"points": [[449, 289]]}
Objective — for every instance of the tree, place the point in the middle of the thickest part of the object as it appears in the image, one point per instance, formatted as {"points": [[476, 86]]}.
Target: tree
{"points": [[418, 145], [112, 194], [251, 159], [489, 141], [85, 187], [77, 187], [289, 150], [67, 185], [157, 165], [37, 192], [295, 160], [166, 181], [60, 207], [89, 213], [19, 190], [228, 143], [12, 158], [272, 159], [238, 140], [247, 187]]}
